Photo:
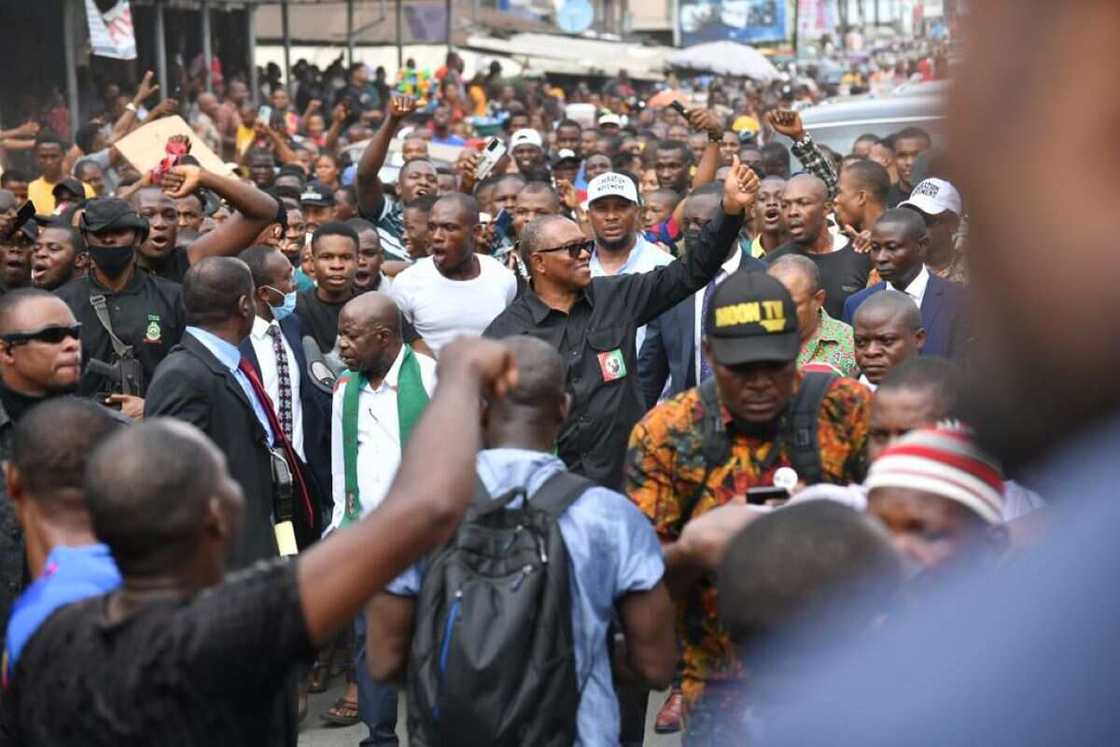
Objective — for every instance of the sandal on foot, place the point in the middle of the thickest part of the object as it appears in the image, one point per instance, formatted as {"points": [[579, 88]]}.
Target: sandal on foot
{"points": [[343, 713]]}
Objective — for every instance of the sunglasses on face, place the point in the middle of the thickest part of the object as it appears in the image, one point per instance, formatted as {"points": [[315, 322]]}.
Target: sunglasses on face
{"points": [[51, 335], [574, 249]]}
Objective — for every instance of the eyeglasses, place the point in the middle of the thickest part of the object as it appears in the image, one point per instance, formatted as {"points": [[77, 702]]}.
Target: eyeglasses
{"points": [[51, 335], [574, 249]]}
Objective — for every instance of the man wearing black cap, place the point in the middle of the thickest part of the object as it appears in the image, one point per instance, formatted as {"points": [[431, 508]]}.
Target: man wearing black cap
{"points": [[117, 299], [317, 203], [713, 445]]}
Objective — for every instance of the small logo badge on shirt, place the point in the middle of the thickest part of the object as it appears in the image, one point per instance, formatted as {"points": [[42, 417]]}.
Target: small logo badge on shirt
{"points": [[153, 334], [612, 364]]}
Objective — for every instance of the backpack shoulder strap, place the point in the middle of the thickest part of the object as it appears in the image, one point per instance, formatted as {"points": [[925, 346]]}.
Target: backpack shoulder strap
{"points": [[716, 444], [559, 492], [802, 426]]}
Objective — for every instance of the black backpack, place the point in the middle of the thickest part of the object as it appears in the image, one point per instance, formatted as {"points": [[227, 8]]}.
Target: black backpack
{"points": [[493, 657], [797, 431]]}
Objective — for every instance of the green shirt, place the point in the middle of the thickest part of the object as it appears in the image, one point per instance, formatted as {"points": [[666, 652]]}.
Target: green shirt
{"points": [[831, 343]]}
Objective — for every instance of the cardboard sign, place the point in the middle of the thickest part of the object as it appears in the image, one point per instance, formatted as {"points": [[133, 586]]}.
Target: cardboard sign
{"points": [[144, 147]]}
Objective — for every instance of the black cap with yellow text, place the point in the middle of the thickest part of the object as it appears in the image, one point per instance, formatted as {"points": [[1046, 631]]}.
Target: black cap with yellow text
{"points": [[752, 319]]}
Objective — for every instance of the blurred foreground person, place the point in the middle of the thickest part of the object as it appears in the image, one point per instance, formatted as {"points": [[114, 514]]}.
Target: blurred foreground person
{"points": [[1026, 655], [179, 656]]}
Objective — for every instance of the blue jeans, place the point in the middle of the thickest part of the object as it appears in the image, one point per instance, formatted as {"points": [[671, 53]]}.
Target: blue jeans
{"points": [[377, 702]]}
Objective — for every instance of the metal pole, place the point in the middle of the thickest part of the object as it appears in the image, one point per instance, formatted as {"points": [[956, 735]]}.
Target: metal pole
{"points": [[349, 32], [796, 24], [400, 35], [674, 8], [207, 52], [447, 9], [250, 50], [161, 50], [287, 46], [71, 69]]}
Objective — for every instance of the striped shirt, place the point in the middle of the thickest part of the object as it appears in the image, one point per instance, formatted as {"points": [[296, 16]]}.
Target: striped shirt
{"points": [[390, 229]]}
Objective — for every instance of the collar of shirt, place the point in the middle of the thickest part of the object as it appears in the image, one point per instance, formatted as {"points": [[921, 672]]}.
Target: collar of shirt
{"points": [[134, 285], [638, 260], [391, 377], [502, 470], [261, 327], [917, 287], [540, 310], [228, 355], [867, 382]]}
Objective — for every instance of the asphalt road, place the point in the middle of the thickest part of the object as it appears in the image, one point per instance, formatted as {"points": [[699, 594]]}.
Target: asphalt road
{"points": [[314, 734]]}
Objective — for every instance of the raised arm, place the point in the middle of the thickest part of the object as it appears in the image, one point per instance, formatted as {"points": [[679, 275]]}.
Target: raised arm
{"points": [[426, 500], [253, 210], [788, 123], [654, 292], [370, 190], [703, 120]]}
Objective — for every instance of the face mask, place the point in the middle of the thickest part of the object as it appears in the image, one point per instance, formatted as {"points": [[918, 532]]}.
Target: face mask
{"points": [[285, 309], [111, 260]]}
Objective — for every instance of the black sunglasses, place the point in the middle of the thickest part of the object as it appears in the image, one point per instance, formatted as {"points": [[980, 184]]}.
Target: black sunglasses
{"points": [[574, 249], [51, 335]]}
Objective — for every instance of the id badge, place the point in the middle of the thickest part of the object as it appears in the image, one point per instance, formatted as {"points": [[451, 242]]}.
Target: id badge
{"points": [[612, 365]]}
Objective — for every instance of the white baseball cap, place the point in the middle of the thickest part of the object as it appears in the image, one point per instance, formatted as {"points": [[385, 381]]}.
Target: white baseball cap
{"points": [[934, 197], [612, 184], [610, 119], [526, 137]]}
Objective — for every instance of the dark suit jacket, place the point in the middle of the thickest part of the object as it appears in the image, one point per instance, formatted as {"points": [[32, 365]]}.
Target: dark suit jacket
{"points": [[316, 406], [669, 349], [192, 385], [943, 315]]}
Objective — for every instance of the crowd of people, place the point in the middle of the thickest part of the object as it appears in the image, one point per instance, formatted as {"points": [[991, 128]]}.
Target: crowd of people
{"points": [[530, 437]]}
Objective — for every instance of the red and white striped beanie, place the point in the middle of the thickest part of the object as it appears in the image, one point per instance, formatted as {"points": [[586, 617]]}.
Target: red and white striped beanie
{"points": [[946, 462]]}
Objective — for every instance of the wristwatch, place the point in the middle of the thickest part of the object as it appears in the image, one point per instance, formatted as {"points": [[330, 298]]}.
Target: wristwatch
{"points": [[131, 107]]}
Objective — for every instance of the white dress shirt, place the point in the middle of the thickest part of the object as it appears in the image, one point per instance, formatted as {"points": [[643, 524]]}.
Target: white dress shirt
{"points": [[917, 287], [261, 341], [730, 265], [379, 439]]}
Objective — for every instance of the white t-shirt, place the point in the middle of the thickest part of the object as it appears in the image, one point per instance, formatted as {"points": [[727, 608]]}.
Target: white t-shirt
{"points": [[441, 309]]}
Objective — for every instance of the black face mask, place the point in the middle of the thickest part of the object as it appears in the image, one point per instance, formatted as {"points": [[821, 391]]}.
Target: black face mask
{"points": [[111, 260]]}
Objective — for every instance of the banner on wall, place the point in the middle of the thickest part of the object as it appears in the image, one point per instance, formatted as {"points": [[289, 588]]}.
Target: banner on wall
{"points": [[111, 33], [735, 20]]}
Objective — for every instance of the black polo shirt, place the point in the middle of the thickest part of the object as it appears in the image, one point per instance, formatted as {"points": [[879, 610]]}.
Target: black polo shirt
{"points": [[597, 340], [843, 273], [320, 319], [146, 314]]}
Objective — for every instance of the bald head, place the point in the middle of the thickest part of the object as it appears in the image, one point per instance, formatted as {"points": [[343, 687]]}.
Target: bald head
{"points": [[373, 309], [912, 224], [128, 480], [809, 185], [465, 206], [213, 290], [797, 266], [889, 305], [531, 414]]}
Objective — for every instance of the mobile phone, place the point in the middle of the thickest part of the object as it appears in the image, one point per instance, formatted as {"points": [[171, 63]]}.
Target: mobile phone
{"points": [[25, 213], [679, 107], [503, 222], [264, 115], [491, 154], [761, 495]]}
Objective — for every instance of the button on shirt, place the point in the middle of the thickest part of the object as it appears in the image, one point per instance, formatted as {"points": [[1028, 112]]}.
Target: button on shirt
{"points": [[261, 340], [230, 357], [612, 551], [379, 438], [596, 338]]}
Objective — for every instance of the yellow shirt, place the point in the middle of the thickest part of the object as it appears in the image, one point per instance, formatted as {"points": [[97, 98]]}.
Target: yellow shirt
{"points": [[39, 192], [245, 138]]}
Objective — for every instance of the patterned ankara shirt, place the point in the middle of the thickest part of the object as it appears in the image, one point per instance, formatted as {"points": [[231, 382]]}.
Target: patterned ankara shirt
{"points": [[665, 464], [831, 343]]}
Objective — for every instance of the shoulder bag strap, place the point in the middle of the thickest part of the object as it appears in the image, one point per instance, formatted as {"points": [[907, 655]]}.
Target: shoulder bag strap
{"points": [[102, 311]]}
